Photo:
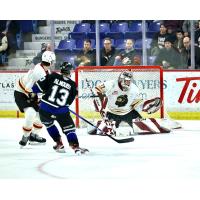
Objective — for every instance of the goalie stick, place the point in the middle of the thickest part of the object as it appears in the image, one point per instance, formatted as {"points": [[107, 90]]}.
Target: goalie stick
{"points": [[122, 140]]}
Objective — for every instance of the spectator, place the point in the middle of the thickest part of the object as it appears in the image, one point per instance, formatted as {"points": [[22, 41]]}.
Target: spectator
{"points": [[128, 56], [197, 34], [186, 54], [158, 40], [168, 57], [38, 58], [179, 40], [87, 56], [3, 47], [171, 33], [107, 53], [11, 28]]}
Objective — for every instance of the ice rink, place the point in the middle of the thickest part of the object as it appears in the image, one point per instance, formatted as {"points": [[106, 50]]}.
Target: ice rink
{"points": [[155, 160]]}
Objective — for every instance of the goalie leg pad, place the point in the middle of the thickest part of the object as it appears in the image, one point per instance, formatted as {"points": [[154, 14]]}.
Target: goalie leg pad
{"points": [[172, 124], [145, 129], [160, 127], [150, 126]]}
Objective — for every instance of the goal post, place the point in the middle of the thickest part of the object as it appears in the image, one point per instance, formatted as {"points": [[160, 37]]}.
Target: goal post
{"points": [[149, 79]]}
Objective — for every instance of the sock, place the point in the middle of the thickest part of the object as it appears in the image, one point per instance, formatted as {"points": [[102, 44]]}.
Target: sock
{"points": [[72, 138], [54, 133]]}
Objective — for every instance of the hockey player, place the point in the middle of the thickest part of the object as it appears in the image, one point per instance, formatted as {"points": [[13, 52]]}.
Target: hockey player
{"points": [[59, 91], [119, 102], [28, 102]]}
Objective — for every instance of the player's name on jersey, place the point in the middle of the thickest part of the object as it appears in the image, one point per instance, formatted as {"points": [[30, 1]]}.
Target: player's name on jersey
{"points": [[62, 83]]}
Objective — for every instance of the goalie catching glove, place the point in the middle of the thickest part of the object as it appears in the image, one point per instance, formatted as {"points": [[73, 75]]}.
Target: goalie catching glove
{"points": [[152, 105]]}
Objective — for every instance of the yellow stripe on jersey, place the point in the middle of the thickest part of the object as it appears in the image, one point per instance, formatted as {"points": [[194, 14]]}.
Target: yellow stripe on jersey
{"points": [[136, 102]]}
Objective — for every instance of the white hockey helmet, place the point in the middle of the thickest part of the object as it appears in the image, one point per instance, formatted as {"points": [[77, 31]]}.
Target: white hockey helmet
{"points": [[125, 79], [49, 57]]}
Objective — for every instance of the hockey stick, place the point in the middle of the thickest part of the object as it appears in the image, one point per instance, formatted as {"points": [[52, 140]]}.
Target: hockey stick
{"points": [[123, 140]]}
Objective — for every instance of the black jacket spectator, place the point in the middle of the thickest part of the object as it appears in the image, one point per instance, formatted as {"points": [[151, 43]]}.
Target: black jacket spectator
{"points": [[186, 57], [186, 54], [87, 56], [169, 57], [108, 57]]}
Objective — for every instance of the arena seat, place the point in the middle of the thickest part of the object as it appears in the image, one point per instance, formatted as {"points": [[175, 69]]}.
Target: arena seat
{"points": [[66, 44], [138, 43], [133, 35], [92, 35], [154, 27], [119, 27], [150, 60], [82, 27], [80, 31], [119, 43], [150, 34], [77, 35], [135, 27], [27, 26], [103, 28], [115, 35]]}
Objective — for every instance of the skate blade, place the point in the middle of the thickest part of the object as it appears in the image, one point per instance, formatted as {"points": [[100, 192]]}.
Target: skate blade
{"points": [[37, 143], [79, 153], [61, 151]]}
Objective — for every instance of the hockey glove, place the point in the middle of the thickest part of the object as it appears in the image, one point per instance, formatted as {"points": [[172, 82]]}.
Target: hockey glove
{"points": [[152, 105], [32, 97]]}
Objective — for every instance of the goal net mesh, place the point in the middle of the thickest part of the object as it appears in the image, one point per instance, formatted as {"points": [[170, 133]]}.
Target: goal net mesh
{"points": [[149, 80]]}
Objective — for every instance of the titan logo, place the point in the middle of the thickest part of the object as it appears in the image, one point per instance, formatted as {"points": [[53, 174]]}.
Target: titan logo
{"points": [[192, 95]]}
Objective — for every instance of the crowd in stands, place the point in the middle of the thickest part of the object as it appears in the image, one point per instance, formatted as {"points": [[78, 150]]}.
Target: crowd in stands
{"points": [[168, 43]]}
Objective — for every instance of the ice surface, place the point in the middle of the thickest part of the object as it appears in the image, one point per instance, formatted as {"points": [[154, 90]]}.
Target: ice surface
{"points": [[160, 158]]}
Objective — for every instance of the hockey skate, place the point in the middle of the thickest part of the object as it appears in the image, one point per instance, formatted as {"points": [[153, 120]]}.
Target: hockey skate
{"points": [[36, 139], [78, 150], [59, 147], [23, 141]]}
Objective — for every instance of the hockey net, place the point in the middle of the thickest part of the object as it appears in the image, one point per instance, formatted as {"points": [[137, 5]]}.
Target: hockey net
{"points": [[149, 79]]}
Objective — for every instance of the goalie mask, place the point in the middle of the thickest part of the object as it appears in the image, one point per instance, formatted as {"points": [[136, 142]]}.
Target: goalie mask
{"points": [[125, 79], [66, 68]]}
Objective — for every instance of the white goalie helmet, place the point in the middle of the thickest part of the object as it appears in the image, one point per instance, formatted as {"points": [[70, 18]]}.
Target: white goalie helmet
{"points": [[125, 79], [49, 57]]}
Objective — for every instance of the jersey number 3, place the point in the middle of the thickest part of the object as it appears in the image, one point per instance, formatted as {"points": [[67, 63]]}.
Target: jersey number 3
{"points": [[63, 98]]}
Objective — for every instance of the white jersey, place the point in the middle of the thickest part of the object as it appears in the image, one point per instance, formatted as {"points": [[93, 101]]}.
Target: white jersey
{"points": [[119, 102], [26, 82]]}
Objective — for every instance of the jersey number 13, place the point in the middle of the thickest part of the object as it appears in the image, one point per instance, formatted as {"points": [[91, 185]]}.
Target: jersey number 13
{"points": [[62, 100]]}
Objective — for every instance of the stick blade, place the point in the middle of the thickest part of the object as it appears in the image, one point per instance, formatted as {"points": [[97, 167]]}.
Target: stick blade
{"points": [[122, 140]]}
